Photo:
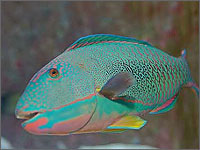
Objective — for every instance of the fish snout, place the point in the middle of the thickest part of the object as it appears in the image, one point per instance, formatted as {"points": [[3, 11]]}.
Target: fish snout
{"points": [[26, 111]]}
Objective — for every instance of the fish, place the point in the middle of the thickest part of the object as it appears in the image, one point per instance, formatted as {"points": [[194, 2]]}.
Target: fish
{"points": [[103, 83]]}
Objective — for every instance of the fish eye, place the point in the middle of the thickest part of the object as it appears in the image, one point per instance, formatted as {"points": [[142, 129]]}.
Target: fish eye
{"points": [[53, 72]]}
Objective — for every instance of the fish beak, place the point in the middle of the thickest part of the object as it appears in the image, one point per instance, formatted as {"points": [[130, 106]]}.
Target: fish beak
{"points": [[26, 115], [30, 117]]}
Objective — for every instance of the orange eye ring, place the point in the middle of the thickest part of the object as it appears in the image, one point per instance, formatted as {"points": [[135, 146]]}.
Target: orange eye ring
{"points": [[53, 72]]}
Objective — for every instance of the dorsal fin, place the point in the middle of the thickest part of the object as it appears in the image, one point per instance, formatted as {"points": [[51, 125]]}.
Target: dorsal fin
{"points": [[102, 38]]}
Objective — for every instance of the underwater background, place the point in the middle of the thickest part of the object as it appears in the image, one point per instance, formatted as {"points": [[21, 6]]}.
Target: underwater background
{"points": [[33, 33]]}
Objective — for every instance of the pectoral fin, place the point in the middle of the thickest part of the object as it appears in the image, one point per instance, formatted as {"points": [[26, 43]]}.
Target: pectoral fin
{"points": [[128, 122], [116, 85]]}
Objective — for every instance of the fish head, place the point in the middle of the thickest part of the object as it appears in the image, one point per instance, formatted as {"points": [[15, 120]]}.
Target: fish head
{"points": [[59, 99]]}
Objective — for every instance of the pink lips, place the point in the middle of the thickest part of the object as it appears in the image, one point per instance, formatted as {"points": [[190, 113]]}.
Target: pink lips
{"points": [[33, 127]]}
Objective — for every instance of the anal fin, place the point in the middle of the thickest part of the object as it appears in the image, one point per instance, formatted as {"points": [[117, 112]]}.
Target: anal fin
{"points": [[128, 122], [166, 106], [113, 130]]}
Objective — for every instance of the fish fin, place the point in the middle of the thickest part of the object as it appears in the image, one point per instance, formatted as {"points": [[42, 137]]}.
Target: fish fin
{"points": [[183, 54], [194, 87], [128, 122], [117, 84], [167, 106], [102, 38], [114, 130], [191, 83]]}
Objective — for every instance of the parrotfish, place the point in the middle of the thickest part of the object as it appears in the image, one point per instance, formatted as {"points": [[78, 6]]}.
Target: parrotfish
{"points": [[102, 83]]}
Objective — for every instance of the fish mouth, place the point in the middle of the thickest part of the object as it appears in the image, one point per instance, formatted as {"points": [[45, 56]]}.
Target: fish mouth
{"points": [[27, 115], [62, 120]]}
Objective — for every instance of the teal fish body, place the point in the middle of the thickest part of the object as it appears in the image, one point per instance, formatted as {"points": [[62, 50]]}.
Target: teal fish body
{"points": [[102, 83]]}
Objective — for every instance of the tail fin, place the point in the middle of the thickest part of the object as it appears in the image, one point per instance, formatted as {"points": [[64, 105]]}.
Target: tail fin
{"points": [[194, 87], [183, 54], [191, 83]]}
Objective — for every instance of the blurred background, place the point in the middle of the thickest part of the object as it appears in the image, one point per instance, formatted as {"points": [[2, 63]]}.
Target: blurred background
{"points": [[33, 33]]}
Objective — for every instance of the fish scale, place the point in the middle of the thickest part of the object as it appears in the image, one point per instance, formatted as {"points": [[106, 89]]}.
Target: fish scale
{"points": [[120, 53]]}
